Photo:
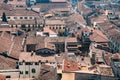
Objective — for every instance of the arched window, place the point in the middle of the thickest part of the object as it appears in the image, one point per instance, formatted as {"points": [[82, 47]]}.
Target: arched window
{"points": [[33, 70]]}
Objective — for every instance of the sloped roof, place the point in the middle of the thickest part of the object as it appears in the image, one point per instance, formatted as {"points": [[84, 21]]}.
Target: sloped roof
{"points": [[98, 36], [5, 44], [47, 30], [47, 72], [32, 57], [61, 39], [2, 77], [7, 63], [106, 70], [19, 12], [76, 17], [55, 22], [69, 66]]}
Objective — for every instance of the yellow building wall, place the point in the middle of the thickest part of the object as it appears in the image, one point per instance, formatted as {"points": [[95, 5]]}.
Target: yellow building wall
{"points": [[68, 76], [84, 68], [59, 71]]}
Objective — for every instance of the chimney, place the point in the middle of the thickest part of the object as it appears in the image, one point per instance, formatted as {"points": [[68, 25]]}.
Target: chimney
{"points": [[32, 53], [106, 12], [68, 64], [91, 32], [66, 50]]}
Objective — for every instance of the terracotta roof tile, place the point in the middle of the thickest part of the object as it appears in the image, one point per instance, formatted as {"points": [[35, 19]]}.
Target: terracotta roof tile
{"points": [[55, 21], [61, 39], [47, 72], [76, 17], [106, 70], [107, 58], [69, 66], [4, 44], [2, 77], [19, 12], [96, 35], [28, 57], [47, 30], [17, 47], [116, 56], [7, 63], [100, 18]]}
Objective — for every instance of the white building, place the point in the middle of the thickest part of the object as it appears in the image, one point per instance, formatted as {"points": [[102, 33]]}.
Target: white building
{"points": [[30, 64]]}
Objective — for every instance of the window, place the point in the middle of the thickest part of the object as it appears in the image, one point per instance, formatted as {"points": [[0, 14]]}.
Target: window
{"points": [[25, 17], [20, 6], [20, 63], [33, 70], [59, 27], [8, 76], [8, 17], [15, 17], [56, 27], [53, 28], [26, 72], [21, 72], [36, 63], [27, 63], [30, 17], [21, 17]]}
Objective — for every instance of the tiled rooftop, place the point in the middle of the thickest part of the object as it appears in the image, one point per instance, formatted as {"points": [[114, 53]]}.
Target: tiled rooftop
{"points": [[19, 12], [47, 72], [32, 57], [7, 63], [47, 30], [2, 77], [5, 42], [111, 30], [4, 6], [10, 43], [96, 35], [69, 66], [76, 17], [47, 6], [55, 22], [22, 79], [100, 18], [61, 39], [17, 47], [106, 70]]}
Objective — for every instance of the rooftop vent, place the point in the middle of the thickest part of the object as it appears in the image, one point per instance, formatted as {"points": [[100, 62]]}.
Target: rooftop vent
{"points": [[32, 53]]}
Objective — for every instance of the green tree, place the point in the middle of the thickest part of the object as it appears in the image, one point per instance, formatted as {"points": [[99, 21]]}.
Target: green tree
{"points": [[4, 19]]}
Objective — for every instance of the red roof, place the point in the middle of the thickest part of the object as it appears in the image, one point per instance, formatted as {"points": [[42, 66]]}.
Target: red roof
{"points": [[70, 66], [96, 35], [46, 29], [2, 77]]}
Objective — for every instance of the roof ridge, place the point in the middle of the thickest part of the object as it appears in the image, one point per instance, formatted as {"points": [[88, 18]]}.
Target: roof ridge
{"points": [[103, 36]]}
